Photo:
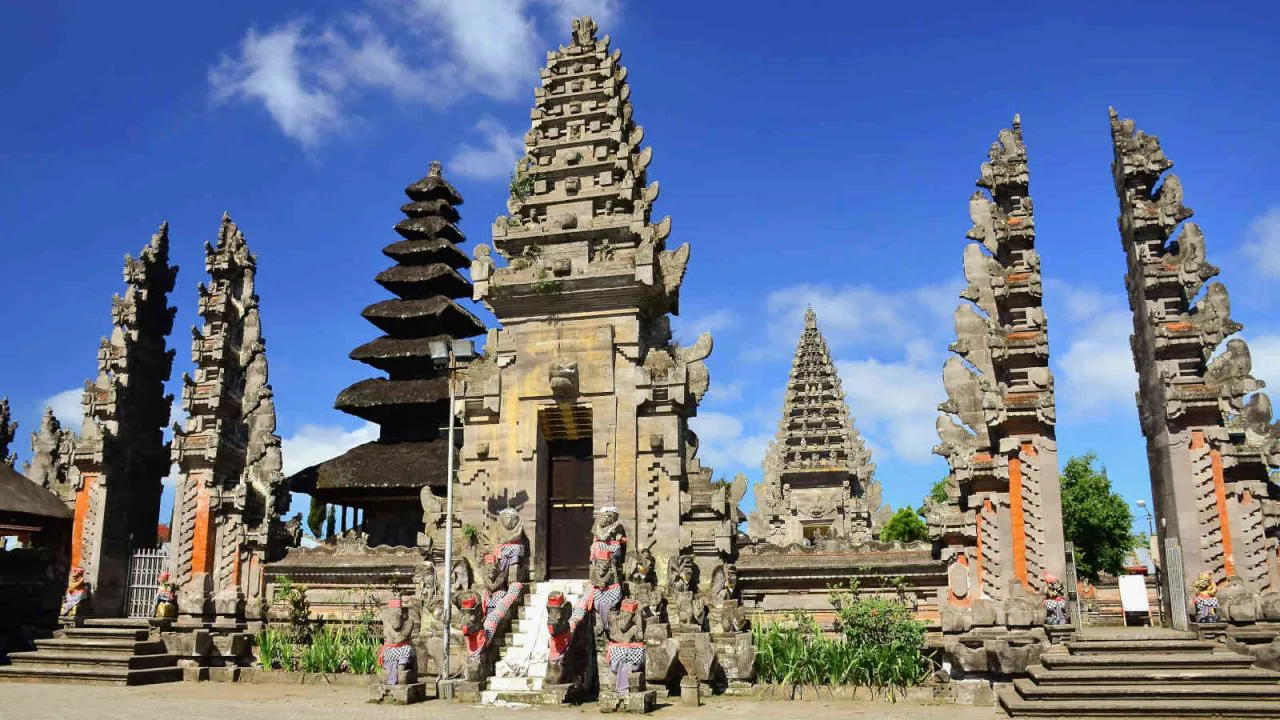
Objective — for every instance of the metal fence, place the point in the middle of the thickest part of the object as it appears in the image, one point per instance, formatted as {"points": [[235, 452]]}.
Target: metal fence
{"points": [[144, 567]]}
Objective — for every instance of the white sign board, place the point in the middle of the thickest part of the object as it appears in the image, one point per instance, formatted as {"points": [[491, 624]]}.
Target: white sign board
{"points": [[1133, 594]]}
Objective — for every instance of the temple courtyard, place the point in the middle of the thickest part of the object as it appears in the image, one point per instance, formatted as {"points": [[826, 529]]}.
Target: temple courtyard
{"points": [[206, 701]]}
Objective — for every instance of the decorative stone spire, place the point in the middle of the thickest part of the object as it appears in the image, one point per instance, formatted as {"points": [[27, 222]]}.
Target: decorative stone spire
{"points": [[8, 429], [1001, 529], [121, 457], [1210, 436], [411, 405], [578, 233], [230, 491], [52, 449], [818, 476]]}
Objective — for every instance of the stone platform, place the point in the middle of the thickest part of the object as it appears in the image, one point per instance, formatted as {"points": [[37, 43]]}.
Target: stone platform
{"points": [[1148, 672], [98, 651], [398, 694]]}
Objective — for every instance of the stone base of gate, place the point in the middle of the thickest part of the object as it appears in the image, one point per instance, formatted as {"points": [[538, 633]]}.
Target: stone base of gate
{"points": [[208, 647]]}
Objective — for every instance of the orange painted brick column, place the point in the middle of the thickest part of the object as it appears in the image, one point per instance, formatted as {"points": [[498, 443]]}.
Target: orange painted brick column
{"points": [[77, 525], [1220, 498], [202, 542], [1017, 520]]}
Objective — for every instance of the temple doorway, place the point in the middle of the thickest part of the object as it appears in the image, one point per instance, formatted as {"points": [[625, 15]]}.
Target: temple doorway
{"points": [[570, 507]]}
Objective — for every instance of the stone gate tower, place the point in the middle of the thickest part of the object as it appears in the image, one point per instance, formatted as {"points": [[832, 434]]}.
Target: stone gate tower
{"points": [[582, 399], [1211, 442], [121, 456], [230, 490], [1001, 528]]}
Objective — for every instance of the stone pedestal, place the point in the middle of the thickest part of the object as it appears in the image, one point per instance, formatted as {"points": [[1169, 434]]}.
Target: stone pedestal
{"points": [[463, 691], [690, 691], [641, 701], [398, 694]]}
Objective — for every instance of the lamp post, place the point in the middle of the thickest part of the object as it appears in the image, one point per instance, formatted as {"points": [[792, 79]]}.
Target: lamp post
{"points": [[445, 353], [1152, 547]]}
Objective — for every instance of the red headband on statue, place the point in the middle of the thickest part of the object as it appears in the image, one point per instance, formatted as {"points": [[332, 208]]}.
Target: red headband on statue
{"points": [[468, 603], [490, 559], [630, 605], [393, 603], [555, 599], [602, 554]]}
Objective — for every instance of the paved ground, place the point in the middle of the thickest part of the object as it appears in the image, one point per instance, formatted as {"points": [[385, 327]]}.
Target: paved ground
{"points": [[236, 701]]}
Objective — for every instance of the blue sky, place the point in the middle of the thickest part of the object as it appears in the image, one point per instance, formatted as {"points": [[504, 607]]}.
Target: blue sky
{"points": [[811, 153]]}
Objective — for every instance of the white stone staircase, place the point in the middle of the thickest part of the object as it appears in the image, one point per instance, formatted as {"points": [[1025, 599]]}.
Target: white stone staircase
{"points": [[522, 666]]}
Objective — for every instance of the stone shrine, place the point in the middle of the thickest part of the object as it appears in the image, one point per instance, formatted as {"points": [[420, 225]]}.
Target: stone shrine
{"points": [[819, 481], [8, 429], [1211, 442], [230, 492], [121, 456], [582, 399], [1000, 530], [51, 456]]}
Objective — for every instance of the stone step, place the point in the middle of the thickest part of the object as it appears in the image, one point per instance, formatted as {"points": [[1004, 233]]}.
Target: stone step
{"points": [[1132, 635], [1124, 676], [515, 684], [1148, 690], [1132, 661], [102, 645], [89, 675], [107, 632], [1018, 706], [142, 623], [1147, 646], [127, 661]]}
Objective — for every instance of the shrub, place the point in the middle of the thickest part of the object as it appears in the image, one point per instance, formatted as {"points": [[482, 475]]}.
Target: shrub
{"points": [[878, 644]]}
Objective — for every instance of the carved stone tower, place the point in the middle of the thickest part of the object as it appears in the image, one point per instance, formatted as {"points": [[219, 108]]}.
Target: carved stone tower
{"points": [[230, 490], [384, 478], [819, 480], [7, 431], [582, 399], [121, 456], [1001, 529], [52, 450], [1211, 442]]}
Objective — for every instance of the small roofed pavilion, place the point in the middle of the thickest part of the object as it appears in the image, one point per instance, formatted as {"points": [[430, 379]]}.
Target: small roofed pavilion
{"points": [[35, 535]]}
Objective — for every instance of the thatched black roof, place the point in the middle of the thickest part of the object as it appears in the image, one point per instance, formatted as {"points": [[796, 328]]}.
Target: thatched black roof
{"points": [[19, 495]]}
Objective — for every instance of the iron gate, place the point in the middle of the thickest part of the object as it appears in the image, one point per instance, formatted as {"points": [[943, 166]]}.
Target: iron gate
{"points": [[144, 567]]}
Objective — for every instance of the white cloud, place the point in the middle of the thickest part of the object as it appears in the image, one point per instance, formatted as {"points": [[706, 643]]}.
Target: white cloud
{"points": [[313, 444], [269, 69], [1264, 246], [852, 315], [307, 75], [498, 160], [895, 403], [689, 328], [66, 407], [723, 445], [1265, 351], [604, 12], [724, 392], [1096, 369]]}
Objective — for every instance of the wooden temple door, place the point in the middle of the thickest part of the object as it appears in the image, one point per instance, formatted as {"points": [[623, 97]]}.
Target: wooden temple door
{"points": [[571, 500]]}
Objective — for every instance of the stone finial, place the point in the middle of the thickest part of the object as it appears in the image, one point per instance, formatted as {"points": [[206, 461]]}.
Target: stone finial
{"points": [[810, 319], [434, 169], [584, 30]]}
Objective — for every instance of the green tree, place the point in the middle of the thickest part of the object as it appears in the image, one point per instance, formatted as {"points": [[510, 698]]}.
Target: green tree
{"points": [[315, 518], [937, 493], [1096, 519], [904, 526]]}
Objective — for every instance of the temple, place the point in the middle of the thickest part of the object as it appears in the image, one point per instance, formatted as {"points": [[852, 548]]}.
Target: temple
{"points": [[819, 480], [1000, 530], [383, 478], [1211, 442], [121, 456], [582, 399], [230, 491]]}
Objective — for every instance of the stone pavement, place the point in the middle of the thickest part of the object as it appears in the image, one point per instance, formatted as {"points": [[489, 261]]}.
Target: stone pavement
{"points": [[227, 701]]}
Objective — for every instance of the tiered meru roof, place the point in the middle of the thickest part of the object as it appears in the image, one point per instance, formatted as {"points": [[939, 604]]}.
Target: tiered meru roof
{"points": [[410, 405]]}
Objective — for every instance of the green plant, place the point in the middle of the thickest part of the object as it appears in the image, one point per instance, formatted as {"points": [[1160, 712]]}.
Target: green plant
{"points": [[471, 533], [323, 655], [904, 526], [546, 285], [294, 596], [276, 650], [360, 646], [523, 179], [315, 518], [513, 222]]}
